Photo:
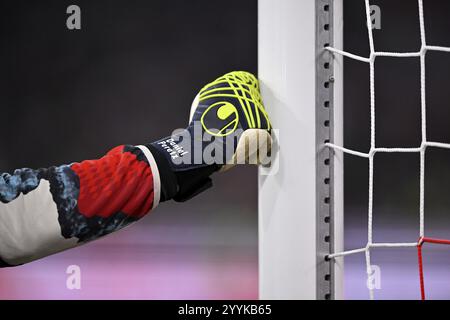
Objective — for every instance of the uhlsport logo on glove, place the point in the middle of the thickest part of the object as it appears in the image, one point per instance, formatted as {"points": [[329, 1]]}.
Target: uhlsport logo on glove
{"points": [[220, 119]]}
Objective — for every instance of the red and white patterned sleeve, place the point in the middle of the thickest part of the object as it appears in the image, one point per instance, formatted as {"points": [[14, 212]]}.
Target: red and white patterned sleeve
{"points": [[48, 210]]}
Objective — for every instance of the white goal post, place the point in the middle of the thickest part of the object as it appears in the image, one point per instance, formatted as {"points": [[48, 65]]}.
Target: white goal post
{"points": [[301, 195]]}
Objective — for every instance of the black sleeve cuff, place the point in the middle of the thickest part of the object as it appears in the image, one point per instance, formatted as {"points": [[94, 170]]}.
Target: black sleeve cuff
{"points": [[169, 185]]}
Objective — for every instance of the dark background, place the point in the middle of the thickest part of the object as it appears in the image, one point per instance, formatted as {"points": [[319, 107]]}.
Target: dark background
{"points": [[129, 76], [398, 104]]}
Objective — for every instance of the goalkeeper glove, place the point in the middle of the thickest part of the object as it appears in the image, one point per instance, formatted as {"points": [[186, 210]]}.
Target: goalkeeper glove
{"points": [[228, 126]]}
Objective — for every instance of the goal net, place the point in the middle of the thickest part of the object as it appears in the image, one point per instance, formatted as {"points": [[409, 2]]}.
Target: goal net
{"points": [[301, 202]]}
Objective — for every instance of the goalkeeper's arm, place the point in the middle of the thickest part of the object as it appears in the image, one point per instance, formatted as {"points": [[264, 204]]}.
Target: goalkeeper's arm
{"points": [[48, 210]]}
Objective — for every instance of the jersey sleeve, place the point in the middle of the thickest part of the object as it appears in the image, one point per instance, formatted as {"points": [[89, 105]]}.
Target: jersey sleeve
{"points": [[45, 211]]}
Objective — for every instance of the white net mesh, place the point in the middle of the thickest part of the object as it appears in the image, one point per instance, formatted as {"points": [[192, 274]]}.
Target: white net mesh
{"points": [[421, 54]]}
